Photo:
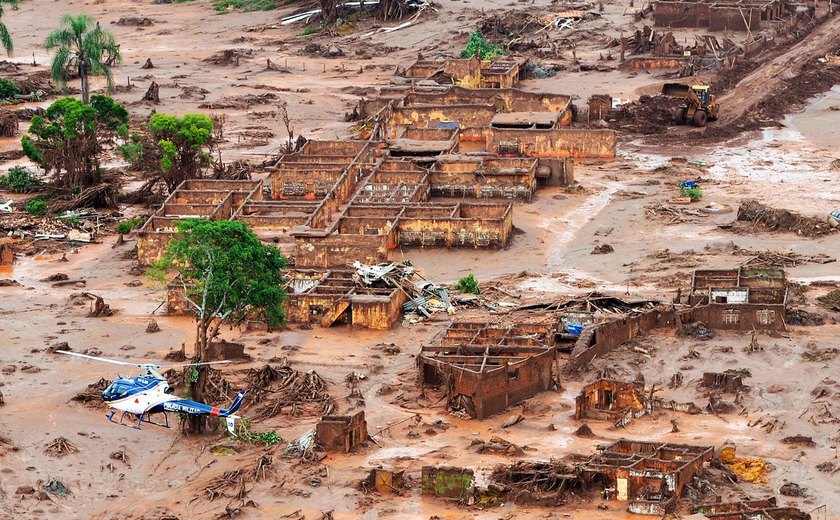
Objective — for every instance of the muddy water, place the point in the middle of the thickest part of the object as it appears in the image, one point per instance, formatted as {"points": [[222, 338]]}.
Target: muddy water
{"points": [[818, 122]]}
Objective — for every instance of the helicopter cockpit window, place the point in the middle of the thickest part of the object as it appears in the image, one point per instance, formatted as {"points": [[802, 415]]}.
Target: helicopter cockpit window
{"points": [[117, 390]]}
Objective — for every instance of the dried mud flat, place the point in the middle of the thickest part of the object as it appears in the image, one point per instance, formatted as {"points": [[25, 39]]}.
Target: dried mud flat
{"points": [[117, 472]]}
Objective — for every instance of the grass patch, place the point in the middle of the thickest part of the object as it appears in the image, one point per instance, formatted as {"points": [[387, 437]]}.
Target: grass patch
{"points": [[225, 6]]}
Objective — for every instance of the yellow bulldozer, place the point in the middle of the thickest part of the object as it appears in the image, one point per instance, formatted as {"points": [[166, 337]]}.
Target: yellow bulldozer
{"points": [[700, 105]]}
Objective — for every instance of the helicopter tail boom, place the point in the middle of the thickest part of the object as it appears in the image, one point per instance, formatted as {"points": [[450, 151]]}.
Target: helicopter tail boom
{"points": [[237, 402]]}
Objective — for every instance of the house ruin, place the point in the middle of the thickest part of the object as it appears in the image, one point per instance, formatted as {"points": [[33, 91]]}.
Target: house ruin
{"points": [[726, 15], [763, 509], [621, 402], [341, 433], [500, 72], [483, 368], [649, 476], [740, 299]]}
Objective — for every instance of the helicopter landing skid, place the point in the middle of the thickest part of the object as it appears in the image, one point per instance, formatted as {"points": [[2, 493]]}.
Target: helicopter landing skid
{"points": [[142, 418]]}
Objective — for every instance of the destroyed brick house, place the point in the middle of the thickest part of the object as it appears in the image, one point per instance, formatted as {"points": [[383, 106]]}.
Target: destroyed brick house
{"points": [[621, 402], [483, 368], [726, 15], [606, 322], [649, 476], [440, 168], [739, 299], [500, 72], [341, 433], [764, 509]]}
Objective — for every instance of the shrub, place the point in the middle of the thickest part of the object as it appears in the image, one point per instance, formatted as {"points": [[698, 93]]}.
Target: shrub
{"points": [[484, 49], [8, 89], [468, 284], [132, 151], [18, 180], [37, 207], [268, 438], [695, 193], [125, 227]]}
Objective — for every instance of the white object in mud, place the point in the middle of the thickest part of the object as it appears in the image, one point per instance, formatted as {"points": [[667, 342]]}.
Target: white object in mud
{"points": [[834, 218]]}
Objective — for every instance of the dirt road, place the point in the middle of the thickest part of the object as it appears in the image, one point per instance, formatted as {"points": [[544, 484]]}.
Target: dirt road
{"points": [[765, 81]]}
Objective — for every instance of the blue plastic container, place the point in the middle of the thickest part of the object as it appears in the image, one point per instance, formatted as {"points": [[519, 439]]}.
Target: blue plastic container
{"points": [[574, 328]]}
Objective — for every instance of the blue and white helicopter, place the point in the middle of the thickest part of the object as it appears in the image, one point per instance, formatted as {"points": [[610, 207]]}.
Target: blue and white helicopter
{"points": [[150, 394]]}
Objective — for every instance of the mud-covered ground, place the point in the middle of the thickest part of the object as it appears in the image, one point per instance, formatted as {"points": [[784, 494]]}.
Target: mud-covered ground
{"points": [[793, 382]]}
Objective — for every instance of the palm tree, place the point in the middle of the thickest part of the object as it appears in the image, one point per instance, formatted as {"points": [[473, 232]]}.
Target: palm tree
{"points": [[84, 50], [5, 37]]}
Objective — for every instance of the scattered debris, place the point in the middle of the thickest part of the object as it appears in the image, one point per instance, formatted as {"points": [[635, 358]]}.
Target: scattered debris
{"points": [[772, 219], [803, 318], [792, 489], [57, 488], [498, 446], [749, 470], [800, 440]]}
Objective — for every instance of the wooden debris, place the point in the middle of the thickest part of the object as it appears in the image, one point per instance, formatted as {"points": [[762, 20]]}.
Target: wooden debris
{"points": [[773, 219], [281, 389], [60, 447], [92, 395]]}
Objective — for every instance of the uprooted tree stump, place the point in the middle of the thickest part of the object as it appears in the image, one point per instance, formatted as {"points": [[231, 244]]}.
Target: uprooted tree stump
{"points": [[7, 254], [92, 395], [153, 94], [121, 456], [8, 124], [152, 327], [98, 309], [60, 447]]}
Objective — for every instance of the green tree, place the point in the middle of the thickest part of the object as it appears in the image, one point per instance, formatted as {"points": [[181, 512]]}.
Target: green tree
{"points": [[227, 274], [84, 49], [184, 143], [5, 37], [70, 136]]}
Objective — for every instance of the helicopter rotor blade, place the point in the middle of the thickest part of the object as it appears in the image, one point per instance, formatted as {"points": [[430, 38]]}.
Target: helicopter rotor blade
{"points": [[94, 358], [194, 364]]}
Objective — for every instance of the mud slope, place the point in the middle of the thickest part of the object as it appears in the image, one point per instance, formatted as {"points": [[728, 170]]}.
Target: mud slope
{"points": [[766, 81]]}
